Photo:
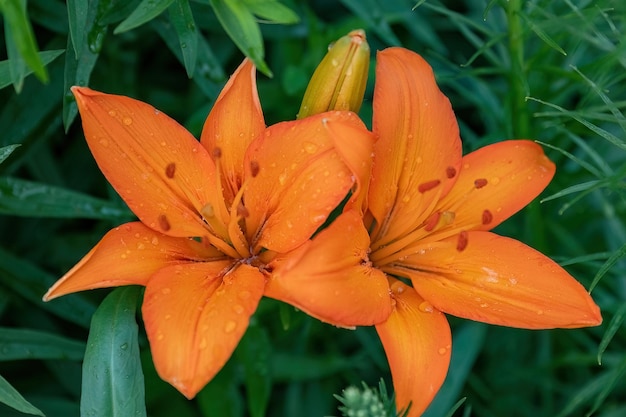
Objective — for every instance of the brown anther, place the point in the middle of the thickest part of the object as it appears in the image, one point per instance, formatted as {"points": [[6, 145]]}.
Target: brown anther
{"points": [[450, 172], [217, 152], [254, 168], [480, 183], [487, 217], [242, 211], [163, 223], [431, 221], [461, 243], [428, 185], [170, 169]]}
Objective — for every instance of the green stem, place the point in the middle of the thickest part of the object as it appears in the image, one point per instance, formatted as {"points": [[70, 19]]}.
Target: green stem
{"points": [[517, 75], [520, 116]]}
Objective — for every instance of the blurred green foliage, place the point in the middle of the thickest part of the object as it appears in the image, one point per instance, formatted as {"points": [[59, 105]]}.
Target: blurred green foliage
{"points": [[546, 70]]}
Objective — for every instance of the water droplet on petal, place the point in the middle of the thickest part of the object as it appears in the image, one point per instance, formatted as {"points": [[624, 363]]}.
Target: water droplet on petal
{"points": [[166, 290], [203, 343], [244, 295], [426, 307], [310, 147], [127, 121], [112, 113], [230, 326], [104, 142], [238, 309]]}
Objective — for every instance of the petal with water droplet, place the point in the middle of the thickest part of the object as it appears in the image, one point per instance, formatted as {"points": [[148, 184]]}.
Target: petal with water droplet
{"points": [[127, 255], [417, 345], [203, 329], [500, 281]]}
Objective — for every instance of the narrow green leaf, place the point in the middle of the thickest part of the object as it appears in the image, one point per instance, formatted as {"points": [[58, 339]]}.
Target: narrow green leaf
{"points": [[24, 279], [19, 33], [616, 376], [272, 11], [542, 35], [620, 253], [240, 24], [611, 329], [33, 344], [77, 19], [254, 352], [370, 11], [5, 71], [5, 151], [12, 398], [145, 12], [32, 199], [182, 20], [113, 384]]}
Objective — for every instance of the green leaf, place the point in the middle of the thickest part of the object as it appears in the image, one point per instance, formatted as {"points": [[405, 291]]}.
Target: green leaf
{"points": [[5, 151], [32, 199], [19, 35], [145, 12], [254, 352], [113, 384], [12, 398], [371, 12], [273, 11], [33, 344], [182, 20], [222, 396], [243, 29], [77, 19], [5, 71], [26, 280], [612, 328]]}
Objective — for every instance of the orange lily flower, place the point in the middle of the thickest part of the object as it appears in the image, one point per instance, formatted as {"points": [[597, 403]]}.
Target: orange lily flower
{"points": [[214, 214], [426, 222]]}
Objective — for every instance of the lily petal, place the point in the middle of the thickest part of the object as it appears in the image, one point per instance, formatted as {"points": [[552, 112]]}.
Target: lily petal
{"points": [[418, 151], [495, 182], [129, 255], [321, 275], [417, 341], [235, 120], [195, 316], [161, 171], [298, 176], [498, 280]]}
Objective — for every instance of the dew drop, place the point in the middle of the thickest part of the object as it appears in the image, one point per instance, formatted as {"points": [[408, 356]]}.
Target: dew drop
{"points": [[104, 142], [166, 290], [160, 336], [203, 343], [238, 309], [124, 346], [155, 241], [426, 307], [127, 121], [229, 327], [112, 113], [244, 295], [442, 350], [310, 147]]}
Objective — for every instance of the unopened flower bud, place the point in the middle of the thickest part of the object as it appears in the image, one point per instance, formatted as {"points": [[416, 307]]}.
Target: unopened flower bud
{"points": [[339, 80]]}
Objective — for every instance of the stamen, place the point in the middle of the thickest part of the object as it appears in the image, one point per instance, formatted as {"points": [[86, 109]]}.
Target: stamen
{"points": [[428, 185], [480, 183], [450, 172], [163, 223], [461, 243], [487, 217], [254, 168], [170, 169]]}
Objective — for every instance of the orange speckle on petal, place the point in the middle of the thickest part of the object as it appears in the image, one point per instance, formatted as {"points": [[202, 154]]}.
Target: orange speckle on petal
{"points": [[432, 221], [170, 169], [480, 183], [254, 168], [428, 185], [487, 217], [462, 241], [217, 152], [164, 224], [450, 172]]}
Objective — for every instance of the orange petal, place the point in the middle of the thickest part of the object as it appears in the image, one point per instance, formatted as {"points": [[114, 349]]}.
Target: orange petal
{"points": [[235, 120], [299, 177], [195, 316], [160, 170], [498, 280], [495, 182], [418, 152], [321, 275], [129, 254], [417, 341]]}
